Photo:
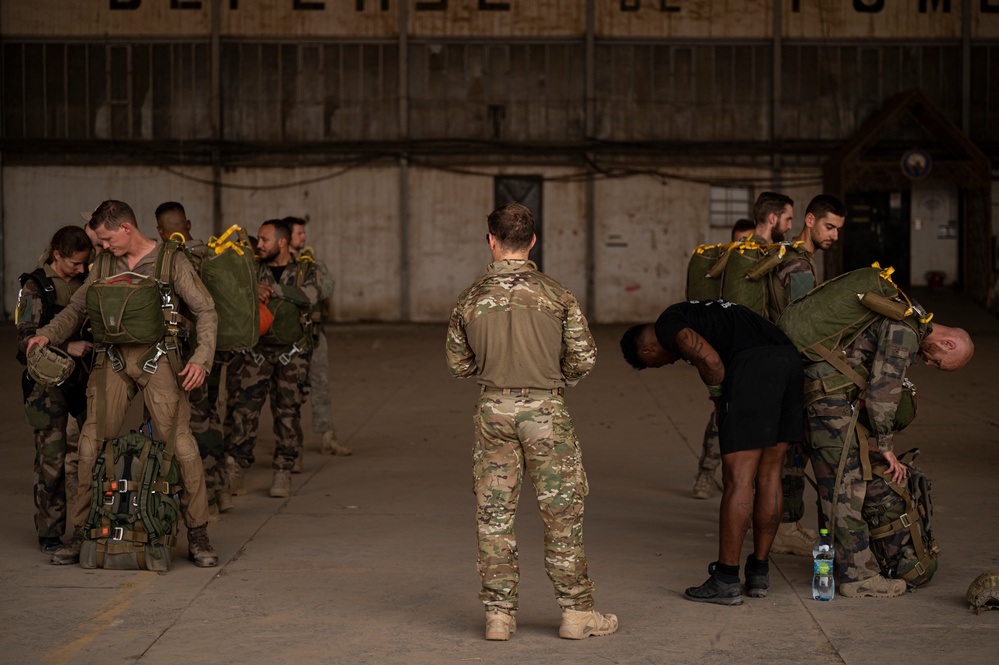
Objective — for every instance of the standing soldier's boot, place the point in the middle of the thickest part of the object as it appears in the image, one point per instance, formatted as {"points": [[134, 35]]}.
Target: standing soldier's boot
{"points": [[578, 625], [70, 552], [330, 445], [199, 550], [281, 487]]}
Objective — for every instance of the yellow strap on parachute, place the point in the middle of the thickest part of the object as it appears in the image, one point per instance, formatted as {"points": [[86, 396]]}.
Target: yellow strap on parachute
{"points": [[886, 274], [221, 244]]}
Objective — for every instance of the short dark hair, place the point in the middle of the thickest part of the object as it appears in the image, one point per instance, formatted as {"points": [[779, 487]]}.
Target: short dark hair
{"points": [[770, 202], [630, 344], [112, 214], [292, 221], [70, 240], [826, 204], [168, 207], [743, 225], [512, 225], [281, 228]]}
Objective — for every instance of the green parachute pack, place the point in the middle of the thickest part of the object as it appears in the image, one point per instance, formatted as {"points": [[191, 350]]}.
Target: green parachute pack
{"points": [[741, 272], [133, 518], [229, 271], [832, 315], [295, 321], [901, 536]]}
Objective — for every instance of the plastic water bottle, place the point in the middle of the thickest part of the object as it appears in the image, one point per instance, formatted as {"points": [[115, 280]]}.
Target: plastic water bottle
{"points": [[823, 553]]}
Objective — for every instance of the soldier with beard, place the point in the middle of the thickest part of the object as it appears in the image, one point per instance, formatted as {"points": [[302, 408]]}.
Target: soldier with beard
{"points": [[278, 367]]}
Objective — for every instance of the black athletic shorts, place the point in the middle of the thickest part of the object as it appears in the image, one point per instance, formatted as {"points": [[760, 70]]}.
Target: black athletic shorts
{"points": [[762, 399]]}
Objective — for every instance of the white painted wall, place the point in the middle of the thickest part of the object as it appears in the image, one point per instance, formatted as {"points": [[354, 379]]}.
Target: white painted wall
{"points": [[933, 208], [644, 228]]}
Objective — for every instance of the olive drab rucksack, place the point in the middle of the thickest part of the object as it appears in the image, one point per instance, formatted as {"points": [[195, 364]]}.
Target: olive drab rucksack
{"points": [[900, 533], [832, 315], [133, 518], [229, 271], [739, 272], [293, 319]]}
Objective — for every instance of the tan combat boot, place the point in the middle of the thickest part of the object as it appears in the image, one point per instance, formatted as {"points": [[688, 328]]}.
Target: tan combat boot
{"points": [[330, 446], [299, 465], [224, 501], [199, 550], [578, 625], [234, 474], [281, 486], [792, 538], [500, 625], [874, 587], [704, 484], [70, 552]]}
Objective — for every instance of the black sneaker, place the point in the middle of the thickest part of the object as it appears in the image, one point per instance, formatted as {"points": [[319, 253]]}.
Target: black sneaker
{"points": [[757, 581], [49, 544], [715, 591]]}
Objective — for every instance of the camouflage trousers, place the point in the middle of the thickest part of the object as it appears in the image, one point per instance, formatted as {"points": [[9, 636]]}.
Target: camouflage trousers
{"points": [[209, 404], [319, 383], [286, 386], [55, 457], [532, 432], [828, 422], [792, 481]]}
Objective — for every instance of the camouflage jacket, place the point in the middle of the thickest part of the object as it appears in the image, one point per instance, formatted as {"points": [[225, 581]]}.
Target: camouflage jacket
{"points": [[516, 327], [792, 279], [882, 353], [31, 306], [186, 284], [304, 296]]}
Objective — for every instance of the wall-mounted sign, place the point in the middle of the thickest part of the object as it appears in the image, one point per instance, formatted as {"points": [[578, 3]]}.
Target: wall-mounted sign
{"points": [[916, 164]]}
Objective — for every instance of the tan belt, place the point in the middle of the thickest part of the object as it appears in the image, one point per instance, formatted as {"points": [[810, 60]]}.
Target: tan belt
{"points": [[557, 392]]}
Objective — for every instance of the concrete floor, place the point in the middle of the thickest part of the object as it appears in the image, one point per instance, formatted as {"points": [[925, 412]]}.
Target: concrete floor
{"points": [[372, 559]]}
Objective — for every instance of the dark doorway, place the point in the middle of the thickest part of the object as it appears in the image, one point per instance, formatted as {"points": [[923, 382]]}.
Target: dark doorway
{"points": [[526, 190], [877, 229]]}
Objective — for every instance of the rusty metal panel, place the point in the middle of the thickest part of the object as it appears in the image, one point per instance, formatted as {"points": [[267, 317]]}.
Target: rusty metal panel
{"points": [[875, 19], [685, 19], [515, 91], [309, 91], [353, 224], [682, 91], [830, 90], [497, 18], [985, 24]]}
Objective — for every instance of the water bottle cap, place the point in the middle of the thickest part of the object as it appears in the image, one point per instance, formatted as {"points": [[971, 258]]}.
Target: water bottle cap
{"points": [[824, 532]]}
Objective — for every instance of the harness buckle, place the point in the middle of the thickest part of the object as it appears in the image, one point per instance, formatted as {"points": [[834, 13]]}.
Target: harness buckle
{"points": [[118, 534], [117, 364], [286, 357], [258, 358], [150, 365]]}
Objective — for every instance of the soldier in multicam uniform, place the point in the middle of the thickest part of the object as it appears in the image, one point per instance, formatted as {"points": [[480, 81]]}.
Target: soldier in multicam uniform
{"points": [[883, 352], [206, 415], [44, 293], [165, 393], [278, 371], [319, 369], [523, 335]]}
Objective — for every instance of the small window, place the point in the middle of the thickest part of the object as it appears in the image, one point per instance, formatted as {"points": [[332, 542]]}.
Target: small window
{"points": [[729, 205]]}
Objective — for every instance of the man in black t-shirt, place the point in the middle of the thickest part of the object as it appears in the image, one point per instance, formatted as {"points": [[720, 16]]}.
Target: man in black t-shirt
{"points": [[754, 377]]}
